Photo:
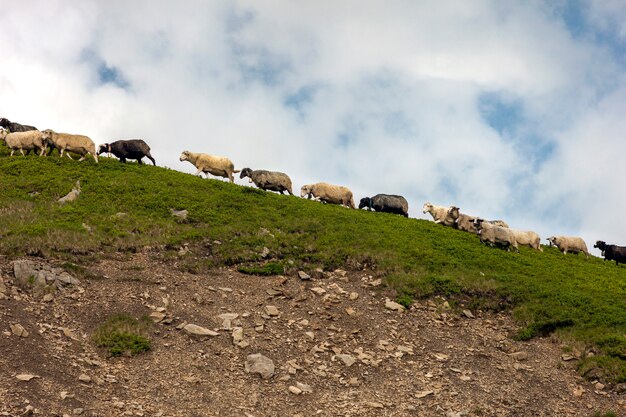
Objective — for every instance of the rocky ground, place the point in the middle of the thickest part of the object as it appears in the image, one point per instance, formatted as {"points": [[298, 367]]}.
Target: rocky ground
{"points": [[333, 346]]}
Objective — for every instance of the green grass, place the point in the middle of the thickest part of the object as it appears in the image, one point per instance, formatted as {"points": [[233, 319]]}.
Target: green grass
{"points": [[583, 301], [122, 334]]}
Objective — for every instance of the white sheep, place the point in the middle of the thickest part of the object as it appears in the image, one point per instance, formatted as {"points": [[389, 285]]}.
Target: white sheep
{"points": [[572, 244], [66, 142], [440, 214], [268, 180], [219, 166], [528, 238], [334, 194], [495, 235], [24, 141]]}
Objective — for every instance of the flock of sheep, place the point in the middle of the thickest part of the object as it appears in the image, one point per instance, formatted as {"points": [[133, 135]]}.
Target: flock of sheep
{"points": [[491, 232]]}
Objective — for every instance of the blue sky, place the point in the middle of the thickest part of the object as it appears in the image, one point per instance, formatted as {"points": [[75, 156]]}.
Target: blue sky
{"points": [[508, 109]]}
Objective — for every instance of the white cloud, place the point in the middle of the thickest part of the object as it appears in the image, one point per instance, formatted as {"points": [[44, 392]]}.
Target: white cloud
{"points": [[379, 97]]}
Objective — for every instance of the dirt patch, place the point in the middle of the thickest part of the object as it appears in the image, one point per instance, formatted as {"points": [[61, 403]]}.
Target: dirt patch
{"points": [[337, 351]]}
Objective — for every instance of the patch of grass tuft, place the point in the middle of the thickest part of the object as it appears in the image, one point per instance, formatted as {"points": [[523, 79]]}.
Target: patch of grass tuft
{"points": [[268, 269], [122, 334]]}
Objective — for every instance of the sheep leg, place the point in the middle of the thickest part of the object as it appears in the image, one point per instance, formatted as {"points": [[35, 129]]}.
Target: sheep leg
{"points": [[12, 151], [22, 152], [200, 172], [139, 161], [151, 158]]}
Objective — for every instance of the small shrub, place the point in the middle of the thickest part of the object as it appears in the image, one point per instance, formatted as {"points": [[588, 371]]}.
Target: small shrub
{"points": [[405, 299], [122, 334], [270, 268]]}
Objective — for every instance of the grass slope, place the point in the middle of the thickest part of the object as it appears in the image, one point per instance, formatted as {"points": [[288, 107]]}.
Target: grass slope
{"points": [[124, 207]]}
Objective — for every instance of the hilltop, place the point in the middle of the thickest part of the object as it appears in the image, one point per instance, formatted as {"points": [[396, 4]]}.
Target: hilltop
{"points": [[486, 332]]}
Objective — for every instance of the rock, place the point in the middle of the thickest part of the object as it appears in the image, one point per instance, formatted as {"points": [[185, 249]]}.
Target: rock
{"points": [[18, 330], [259, 364], [271, 311], [375, 404], [354, 295], [304, 387], [578, 391], [568, 357], [304, 276], [180, 214], [26, 377], [468, 314], [310, 335], [295, 390], [48, 298], [318, 290], [519, 356], [227, 319], [237, 335], [196, 330], [392, 305], [72, 195], [265, 252], [620, 388], [347, 360], [84, 378], [157, 317], [350, 311], [69, 333], [422, 394], [35, 276]]}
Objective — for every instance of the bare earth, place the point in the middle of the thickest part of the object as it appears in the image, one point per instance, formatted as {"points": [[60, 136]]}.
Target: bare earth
{"points": [[334, 342]]}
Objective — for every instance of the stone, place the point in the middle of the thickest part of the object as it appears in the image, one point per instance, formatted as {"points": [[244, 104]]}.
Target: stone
{"points": [[295, 390], [31, 275], [18, 330], [265, 252], [519, 356], [304, 276], [72, 195], [354, 295], [227, 319], [69, 333], [258, 364], [271, 311], [468, 314], [318, 290], [304, 387], [392, 305], [375, 404], [568, 357], [84, 378], [196, 330], [48, 298], [26, 377], [422, 394], [180, 214], [237, 335], [347, 360], [157, 317]]}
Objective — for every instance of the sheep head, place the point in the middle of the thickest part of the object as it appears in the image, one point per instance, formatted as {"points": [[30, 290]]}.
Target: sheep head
{"points": [[552, 240], [600, 245], [365, 202], [184, 156], [427, 207], [245, 173], [305, 190], [103, 148]]}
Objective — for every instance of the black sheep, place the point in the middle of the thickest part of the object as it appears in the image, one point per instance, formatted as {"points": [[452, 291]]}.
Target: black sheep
{"points": [[15, 127], [386, 203], [612, 252], [127, 149]]}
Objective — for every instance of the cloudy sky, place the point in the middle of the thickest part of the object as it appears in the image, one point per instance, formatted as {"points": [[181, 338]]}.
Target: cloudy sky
{"points": [[508, 109]]}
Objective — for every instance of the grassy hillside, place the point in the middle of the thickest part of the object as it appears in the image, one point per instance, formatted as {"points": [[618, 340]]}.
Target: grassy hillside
{"points": [[126, 207]]}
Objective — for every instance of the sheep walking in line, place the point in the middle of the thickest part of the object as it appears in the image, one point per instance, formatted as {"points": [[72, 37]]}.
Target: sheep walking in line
{"points": [[333, 194], [465, 222], [528, 238], [496, 235], [24, 141], [268, 180], [219, 166], [386, 203], [440, 214], [612, 252], [15, 127], [571, 244], [66, 142], [127, 149]]}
